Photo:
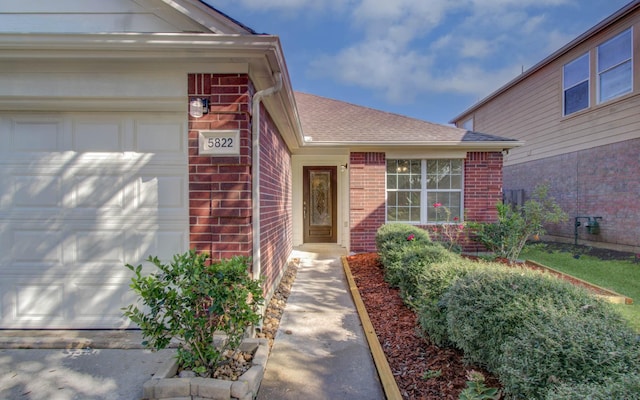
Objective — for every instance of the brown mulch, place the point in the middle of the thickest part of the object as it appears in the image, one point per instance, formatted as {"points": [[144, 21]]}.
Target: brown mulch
{"points": [[414, 361]]}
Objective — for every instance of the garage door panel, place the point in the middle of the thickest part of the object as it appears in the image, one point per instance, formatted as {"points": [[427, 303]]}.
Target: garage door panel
{"points": [[36, 191], [81, 195], [40, 248], [153, 137], [94, 136], [39, 301], [39, 135], [99, 192], [163, 244], [164, 192], [95, 301]]}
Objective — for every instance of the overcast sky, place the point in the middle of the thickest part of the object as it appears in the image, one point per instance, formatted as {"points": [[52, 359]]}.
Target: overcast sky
{"points": [[428, 59]]}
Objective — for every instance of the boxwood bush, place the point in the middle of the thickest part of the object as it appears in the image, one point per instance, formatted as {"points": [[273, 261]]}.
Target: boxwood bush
{"points": [[567, 346], [395, 242], [535, 331], [434, 282], [625, 387]]}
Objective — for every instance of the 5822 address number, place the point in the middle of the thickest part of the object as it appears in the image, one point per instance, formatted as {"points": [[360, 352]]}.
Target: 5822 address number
{"points": [[225, 142]]}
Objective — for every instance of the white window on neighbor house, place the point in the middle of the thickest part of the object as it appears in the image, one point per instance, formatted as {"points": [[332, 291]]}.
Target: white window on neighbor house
{"points": [[615, 67], [468, 124], [575, 84], [414, 186]]}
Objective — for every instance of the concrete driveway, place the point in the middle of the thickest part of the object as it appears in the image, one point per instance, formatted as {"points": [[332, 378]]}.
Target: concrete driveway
{"points": [[64, 365]]}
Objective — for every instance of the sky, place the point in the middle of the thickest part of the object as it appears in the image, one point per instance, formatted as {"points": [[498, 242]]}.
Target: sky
{"points": [[426, 59]]}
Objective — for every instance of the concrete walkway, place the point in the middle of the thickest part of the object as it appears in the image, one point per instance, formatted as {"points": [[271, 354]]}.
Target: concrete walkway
{"points": [[320, 351]]}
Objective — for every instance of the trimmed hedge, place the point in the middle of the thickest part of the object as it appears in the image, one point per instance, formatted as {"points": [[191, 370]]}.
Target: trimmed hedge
{"points": [[626, 387], [543, 337], [393, 244], [434, 283]]}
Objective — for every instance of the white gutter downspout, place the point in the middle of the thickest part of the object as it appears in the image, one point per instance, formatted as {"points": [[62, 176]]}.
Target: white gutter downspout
{"points": [[255, 173]]}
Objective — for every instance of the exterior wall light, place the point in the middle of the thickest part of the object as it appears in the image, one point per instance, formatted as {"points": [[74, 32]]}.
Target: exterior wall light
{"points": [[344, 167], [198, 107]]}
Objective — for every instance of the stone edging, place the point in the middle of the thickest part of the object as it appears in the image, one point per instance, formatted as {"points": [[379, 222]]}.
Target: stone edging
{"points": [[163, 385]]}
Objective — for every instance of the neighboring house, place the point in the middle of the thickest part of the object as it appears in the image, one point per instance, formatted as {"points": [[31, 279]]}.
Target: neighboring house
{"points": [[131, 128], [578, 111]]}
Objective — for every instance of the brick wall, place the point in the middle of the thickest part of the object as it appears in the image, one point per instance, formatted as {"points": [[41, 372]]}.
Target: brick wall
{"points": [[482, 189], [275, 202], [367, 174], [220, 187], [601, 181]]}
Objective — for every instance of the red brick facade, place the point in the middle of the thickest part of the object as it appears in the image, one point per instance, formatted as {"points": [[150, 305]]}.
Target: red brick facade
{"points": [[275, 202], [367, 172], [220, 188], [367, 175], [601, 181]]}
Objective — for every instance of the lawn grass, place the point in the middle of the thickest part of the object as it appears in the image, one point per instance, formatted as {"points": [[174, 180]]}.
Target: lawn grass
{"points": [[621, 276]]}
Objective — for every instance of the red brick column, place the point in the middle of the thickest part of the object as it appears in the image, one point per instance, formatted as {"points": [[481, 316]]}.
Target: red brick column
{"points": [[220, 187], [482, 189], [367, 174]]}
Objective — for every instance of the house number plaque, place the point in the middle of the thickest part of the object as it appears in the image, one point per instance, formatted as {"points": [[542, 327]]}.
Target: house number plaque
{"points": [[219, 142]]}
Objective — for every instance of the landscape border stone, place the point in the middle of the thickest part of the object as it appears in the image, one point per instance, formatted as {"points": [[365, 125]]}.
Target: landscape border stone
{"points": [[164, 385]]}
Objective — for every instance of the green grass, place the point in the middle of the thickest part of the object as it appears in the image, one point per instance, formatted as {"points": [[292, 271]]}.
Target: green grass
{"points": [[617, 275]]}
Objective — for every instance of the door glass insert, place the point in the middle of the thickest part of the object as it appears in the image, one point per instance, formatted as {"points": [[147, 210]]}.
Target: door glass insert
{"points": [[320, 198]]}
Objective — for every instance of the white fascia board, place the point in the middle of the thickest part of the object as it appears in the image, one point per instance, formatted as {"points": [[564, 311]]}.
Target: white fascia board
{"points": [[495, 145]]}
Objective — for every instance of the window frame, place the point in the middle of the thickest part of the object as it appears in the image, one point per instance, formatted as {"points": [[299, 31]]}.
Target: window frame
{"points": [[627, 60], [424, 192], [565, 89]]}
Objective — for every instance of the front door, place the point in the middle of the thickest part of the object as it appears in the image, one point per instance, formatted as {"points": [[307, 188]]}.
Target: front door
{"points": [[319, 204]]}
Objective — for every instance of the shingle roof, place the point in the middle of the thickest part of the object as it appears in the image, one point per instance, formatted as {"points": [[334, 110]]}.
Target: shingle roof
{"points": [[334, 121]]}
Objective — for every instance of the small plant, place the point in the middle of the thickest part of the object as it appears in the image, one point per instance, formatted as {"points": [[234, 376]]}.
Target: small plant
{"points": [[476, 389], [515, 226], [190, 300], [432, 373], [449, 231]]}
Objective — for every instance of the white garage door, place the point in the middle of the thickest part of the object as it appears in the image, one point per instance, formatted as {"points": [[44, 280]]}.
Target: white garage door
{"points": [[80, 196]]}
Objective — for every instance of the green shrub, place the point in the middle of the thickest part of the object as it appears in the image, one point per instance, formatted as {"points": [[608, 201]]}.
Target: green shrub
{"points": [[626, 387], [568, 346], [507, 237], [190, 301], [394, 242], [487, 307], [434, 282], [413, 265]]}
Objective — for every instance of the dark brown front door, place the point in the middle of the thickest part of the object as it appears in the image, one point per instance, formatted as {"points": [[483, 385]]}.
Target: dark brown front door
{"points": [[319, 204]]}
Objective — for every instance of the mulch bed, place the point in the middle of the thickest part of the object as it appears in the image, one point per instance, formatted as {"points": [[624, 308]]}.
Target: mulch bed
{"points": [[413, 360]]}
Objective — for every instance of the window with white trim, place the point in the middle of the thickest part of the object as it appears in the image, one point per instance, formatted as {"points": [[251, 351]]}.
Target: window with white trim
{"points": [[575, 84], [615, 72], [414, 186]]}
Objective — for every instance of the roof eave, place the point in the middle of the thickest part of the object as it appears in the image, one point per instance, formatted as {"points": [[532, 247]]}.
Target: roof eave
{"points": [[493, 145]]}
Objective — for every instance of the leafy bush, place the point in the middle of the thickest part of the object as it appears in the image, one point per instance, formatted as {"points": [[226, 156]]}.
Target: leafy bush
{"points": [[413, 264], [625, 387], [535, 331], [394, 242], [485, 308], [568, 346], [190, 301], [507, 237], [434, 282]]}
